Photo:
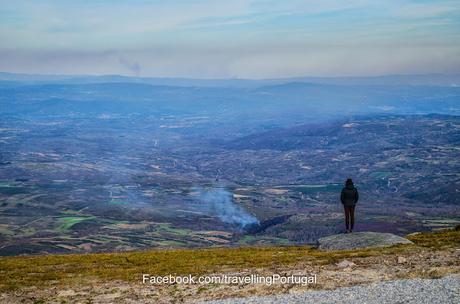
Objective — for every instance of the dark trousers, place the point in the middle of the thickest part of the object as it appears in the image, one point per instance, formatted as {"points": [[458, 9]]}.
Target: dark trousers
{"points": [[349, 216]]}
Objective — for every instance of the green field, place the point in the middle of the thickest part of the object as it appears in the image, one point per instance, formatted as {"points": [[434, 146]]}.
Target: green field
{"points": [[68, 221], [11, 189]]}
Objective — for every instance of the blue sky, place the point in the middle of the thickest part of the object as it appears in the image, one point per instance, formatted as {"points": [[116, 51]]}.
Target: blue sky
{"points": [[230, 39]]}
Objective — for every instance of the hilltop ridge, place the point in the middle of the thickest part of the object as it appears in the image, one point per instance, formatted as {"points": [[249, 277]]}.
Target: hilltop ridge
{"points": [[57, 278], [357, 240]]}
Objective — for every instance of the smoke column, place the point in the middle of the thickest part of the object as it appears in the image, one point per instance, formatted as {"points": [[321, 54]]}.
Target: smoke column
{"points": [[219, 202]]}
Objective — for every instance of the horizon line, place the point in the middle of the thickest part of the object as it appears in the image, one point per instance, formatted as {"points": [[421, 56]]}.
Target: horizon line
{"points": [[236, 78]]}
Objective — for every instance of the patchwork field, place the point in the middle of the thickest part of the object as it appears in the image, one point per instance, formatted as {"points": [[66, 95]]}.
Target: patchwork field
{"points": [[97, 168]]}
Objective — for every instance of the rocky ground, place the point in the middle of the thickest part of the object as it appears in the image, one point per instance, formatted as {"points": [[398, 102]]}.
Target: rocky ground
{"points": [[415, 291], [424, 263], [96, 278], [360, 240]]}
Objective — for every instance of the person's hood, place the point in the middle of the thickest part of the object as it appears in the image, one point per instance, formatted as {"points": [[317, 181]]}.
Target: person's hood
{"points": [[350, 186]]}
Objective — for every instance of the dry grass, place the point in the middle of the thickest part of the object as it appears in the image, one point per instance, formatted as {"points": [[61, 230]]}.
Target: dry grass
{"points": [[438, 240], [41, 271]]}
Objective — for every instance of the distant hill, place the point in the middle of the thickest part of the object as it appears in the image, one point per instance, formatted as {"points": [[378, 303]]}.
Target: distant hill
{"points": [[385, 80]]}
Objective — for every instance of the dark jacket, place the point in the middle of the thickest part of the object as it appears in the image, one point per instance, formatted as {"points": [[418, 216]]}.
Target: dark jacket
{"points": [[349, 196]]}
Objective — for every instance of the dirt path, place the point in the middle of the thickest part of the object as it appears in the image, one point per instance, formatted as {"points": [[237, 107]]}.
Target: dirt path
{"points": [[415, 291]]}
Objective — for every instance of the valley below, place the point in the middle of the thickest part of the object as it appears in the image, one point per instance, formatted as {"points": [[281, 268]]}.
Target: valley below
{"points": [[96, 168]]}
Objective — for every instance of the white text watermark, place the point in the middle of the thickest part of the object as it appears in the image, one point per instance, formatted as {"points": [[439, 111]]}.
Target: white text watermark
{"points": [[230, 279]]}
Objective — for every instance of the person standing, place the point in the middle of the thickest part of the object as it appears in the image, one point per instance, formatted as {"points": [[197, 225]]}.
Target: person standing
{"points": [[349, 197]]}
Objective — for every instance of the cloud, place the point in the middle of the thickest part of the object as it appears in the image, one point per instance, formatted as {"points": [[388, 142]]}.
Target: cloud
{"points": [[426, 10], [254, 61], [240, 38]]}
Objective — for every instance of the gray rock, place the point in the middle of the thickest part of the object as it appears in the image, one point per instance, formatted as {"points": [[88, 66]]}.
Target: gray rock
{"points": [[360, 240], [401, 260], [345, 264], [414, 291]]}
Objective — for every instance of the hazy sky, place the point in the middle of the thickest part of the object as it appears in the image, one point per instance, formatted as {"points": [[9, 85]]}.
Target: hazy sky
{"points": [[232, 38]]}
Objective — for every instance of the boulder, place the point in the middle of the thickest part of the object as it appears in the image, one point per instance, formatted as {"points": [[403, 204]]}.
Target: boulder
{"points": [[360, 240], [345, 264], [401, 260]]}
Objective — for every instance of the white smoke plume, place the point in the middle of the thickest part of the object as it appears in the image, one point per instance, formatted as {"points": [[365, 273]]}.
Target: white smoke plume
{"points": [[219, 202]]}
